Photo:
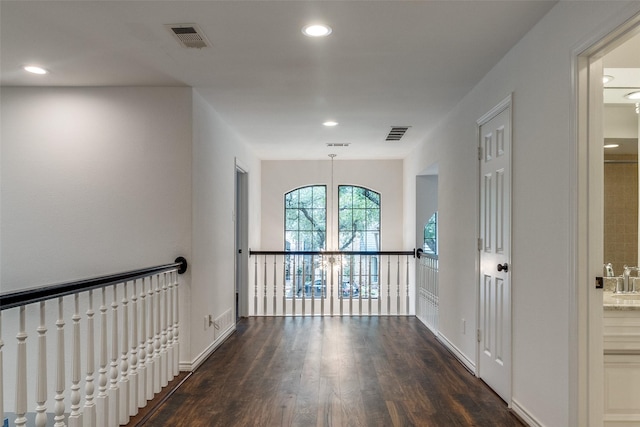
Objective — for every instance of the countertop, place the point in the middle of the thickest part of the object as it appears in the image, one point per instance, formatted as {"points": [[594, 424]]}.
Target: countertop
{"points": [[620, 302]]}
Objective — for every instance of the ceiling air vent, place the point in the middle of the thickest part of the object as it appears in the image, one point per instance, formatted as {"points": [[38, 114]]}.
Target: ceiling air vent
{"points": [[337, 144], [396, 133], [189, 35]]}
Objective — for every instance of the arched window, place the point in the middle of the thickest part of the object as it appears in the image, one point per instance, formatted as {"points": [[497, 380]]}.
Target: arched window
{"points": [[359, 230], [305, 226]]}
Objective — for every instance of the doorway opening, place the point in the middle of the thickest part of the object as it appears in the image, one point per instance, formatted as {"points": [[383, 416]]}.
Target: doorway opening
{"points": [[241, 218], [427, 274], [594, 391]]}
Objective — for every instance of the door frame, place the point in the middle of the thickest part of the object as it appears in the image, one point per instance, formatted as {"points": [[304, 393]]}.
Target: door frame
{"points": [[505, 104], [586, 374], [241, 240]]}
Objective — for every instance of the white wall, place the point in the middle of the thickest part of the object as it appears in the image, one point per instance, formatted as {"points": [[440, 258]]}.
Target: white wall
{"points": [[538, 72], [94, 181], [383, 176], [215, 148], [103, 180], [620, 121]]}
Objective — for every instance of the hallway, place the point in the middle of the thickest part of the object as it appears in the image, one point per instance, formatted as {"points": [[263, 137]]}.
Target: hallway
{"points": [[350, 371]]}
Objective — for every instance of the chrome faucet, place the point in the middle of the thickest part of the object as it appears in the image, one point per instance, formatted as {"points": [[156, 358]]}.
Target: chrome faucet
{"points": [[625, 279]]}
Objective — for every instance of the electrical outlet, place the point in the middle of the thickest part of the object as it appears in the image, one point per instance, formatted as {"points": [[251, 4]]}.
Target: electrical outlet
{"points": [[206, 322]]}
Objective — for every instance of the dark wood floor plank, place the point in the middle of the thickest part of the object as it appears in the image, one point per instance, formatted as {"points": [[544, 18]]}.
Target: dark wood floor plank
{"points": [[332, 372]]}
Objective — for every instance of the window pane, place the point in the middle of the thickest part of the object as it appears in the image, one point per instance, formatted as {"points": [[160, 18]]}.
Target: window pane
{"points": [[345, 220], [305, 218], [344, 197], [359, 219], [319, 198]]}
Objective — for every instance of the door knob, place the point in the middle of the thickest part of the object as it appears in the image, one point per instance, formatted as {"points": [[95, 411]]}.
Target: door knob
{"points": [[503, 267]]}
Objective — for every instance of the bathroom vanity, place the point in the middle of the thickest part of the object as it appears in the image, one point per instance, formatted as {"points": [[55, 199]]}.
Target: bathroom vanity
{"points": [[621, 330]]}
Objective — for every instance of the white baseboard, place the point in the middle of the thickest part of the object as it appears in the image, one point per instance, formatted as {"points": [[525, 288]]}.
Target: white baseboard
{"points": [[193, 365], [468, 363], [524, 415]]}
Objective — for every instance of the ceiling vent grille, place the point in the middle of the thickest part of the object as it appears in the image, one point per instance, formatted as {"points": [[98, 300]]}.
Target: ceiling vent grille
{"points": [[338, 144], [396, 133], [189, 35]]}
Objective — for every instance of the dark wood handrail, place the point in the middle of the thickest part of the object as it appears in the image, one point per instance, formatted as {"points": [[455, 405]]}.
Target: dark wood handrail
{"points": [[30, 296], [411, 253]]}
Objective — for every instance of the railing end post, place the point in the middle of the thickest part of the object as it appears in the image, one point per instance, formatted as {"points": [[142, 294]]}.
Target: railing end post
{"points": [[183, 264]]}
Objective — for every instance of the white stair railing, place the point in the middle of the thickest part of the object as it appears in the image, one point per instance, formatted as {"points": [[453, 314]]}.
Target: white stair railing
{"points": [[330, 283], [138, 348], [428, 291]]}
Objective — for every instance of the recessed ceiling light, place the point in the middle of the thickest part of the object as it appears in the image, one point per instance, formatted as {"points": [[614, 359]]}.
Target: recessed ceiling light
{"points": [[330, 123], [35, 69], [606, 79], [316, 30], [611, 145], [633, 95]]}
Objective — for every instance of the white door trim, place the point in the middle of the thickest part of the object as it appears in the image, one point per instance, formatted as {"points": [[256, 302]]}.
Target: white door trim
{"points": [[505, 104], [585, 325], [241, 220]]}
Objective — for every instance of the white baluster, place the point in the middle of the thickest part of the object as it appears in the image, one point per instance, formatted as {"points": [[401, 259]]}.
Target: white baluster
{"points": [[21, 371], [388, 284], [176, 326], [362, 286], [1, 371], [284, 285], [275, 287], [142, 348], [156, 340], [162, 319], [304, 291], [340, 290], [369, 282], [255, 287], [60, 378], [114, 391], [312, 280], [398, 288], [170, 344], [351, 286], [123, 386], [133, 375], [75, 418], [102, 401], [41, 375], [379, 285], [323, 269], [264, 290], [331, 271], [89, 413], [150, 361], [294, 285], [407, 286]]}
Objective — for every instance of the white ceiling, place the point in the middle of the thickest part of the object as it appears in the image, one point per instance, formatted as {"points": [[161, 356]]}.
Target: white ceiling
{"points": [[387, 63], [620, 119]]}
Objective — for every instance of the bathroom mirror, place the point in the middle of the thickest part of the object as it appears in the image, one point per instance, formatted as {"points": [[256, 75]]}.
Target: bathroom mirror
{"points": [[621, 127]]}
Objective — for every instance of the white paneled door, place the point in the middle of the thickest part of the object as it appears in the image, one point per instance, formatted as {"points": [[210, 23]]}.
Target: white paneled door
{"points": [[494, 328]]}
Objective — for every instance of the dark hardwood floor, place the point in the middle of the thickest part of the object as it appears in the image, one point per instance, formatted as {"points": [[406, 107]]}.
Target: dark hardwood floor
{"points": [[349, 371]]}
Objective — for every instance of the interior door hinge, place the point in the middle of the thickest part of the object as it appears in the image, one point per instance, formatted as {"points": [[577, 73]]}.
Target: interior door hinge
{"points": [[479, 153], [479, 243], [478, 335]]}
